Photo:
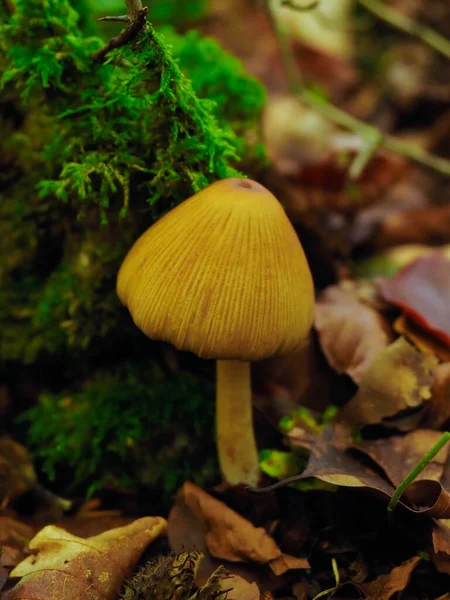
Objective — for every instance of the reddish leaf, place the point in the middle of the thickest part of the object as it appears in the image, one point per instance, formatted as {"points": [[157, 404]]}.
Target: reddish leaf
{"points": [[422, 291]]}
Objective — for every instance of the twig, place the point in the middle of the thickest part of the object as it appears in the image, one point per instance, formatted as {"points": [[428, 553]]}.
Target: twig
{"points": [[136, 19], [417, 469], [396, 19], [368, 132], [119, 19]]}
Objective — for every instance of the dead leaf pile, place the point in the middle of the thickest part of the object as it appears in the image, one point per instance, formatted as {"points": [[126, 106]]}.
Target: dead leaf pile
{"points": [[63, 565]]}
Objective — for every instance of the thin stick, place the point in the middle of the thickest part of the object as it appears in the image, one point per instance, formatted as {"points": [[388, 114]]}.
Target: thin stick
{"points": [[417, 470], [427, 35], [136, 19], [340, 117]]}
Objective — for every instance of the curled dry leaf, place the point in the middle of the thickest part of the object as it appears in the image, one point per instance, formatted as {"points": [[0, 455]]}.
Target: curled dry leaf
{"points": [[429, 498], [422, 291], [66, 566], [385, 586], [399, 378], [228, 535], [423, 339], [351, 333]]}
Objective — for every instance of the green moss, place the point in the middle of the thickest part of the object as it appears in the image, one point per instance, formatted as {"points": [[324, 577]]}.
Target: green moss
{"points": [[90, 155], [94, 154], [133, 427]]}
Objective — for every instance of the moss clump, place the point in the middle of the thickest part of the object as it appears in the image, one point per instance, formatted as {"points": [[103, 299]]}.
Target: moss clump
{"points": [[93, 154], [133, 426], [90, 155]]}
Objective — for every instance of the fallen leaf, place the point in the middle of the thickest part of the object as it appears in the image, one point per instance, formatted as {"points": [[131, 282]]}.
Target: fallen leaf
{"points": [[438, 408], [64, 565], [337, 460], [422, 291], [385, 586], [399, 378], [421, 338], [351, 333], [286, 562], [17, 474], [399, 454], [228, 535], [332, 462], [240, 589], [440, 541], [15, 534], [429, 498]]}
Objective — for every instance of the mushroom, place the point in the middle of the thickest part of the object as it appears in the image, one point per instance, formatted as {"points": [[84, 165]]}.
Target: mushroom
{"points": [[223, 275]]}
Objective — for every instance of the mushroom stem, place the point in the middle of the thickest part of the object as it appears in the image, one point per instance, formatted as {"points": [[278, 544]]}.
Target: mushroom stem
{"points": [[238, 455]]}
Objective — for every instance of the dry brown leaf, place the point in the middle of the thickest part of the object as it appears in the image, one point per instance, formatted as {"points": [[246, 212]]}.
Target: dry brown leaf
{"points": [[286, 562], [399, 378], [228, 535], [384, 586], [399, 454], [17, 473], [440, 542], [66, 566], [330, 461], [240, 589], [351, 333], [335, 459], [438, 409]]}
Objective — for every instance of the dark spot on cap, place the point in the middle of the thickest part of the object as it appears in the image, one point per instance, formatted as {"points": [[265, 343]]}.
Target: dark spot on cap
{"points": [[247, 184]]}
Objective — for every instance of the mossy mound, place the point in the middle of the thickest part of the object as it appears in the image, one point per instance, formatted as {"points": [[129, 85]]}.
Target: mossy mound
{"points": [[91, 154]]}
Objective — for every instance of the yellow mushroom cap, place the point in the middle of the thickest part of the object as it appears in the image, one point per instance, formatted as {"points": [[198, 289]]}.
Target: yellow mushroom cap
{"points": [[222, 275]]}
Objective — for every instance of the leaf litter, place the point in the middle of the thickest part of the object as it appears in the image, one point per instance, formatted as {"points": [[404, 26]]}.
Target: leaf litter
{"points": [[381, 346]]}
